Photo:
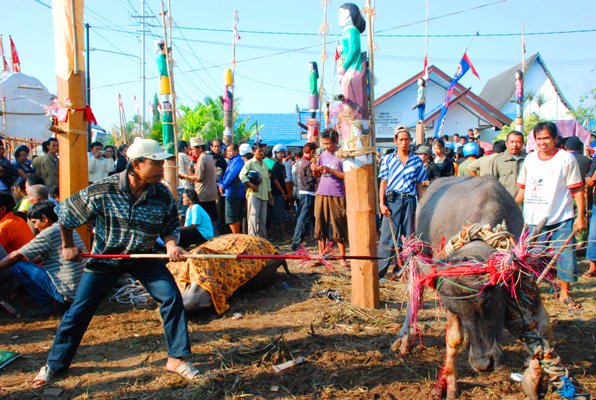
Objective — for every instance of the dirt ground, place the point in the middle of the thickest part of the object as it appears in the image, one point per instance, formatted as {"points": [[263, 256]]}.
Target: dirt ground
{"points": [[346, 349]]}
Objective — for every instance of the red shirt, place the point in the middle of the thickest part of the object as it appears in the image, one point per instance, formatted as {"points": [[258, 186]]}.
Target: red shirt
{"points": [[14, 232]]}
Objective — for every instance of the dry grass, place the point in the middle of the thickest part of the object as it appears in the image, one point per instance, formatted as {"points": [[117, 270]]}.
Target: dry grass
{"points": [[346, 349]]}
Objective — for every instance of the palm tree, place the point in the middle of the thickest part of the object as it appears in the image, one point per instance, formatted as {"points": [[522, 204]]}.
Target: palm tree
{"points": [[529, 98], [540, 100]]}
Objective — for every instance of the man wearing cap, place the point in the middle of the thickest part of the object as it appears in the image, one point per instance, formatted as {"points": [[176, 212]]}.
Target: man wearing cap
{"points": [[431, 169], [130, 210], [232, 188], [204, 180], [401, 175]]}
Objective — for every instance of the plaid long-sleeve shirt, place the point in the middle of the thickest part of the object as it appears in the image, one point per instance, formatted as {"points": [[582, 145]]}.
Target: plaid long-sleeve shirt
{"points": [[121, 225]]}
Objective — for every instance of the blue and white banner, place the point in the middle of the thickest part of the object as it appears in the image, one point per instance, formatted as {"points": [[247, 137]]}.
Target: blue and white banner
{"points": [[464, 65]]}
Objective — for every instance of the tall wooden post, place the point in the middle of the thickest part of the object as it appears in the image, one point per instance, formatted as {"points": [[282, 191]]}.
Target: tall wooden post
{"points": [[361, 199], [420, 133], [70, 75]]}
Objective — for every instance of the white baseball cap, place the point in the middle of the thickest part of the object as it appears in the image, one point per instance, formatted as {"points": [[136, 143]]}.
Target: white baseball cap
{"points": [[244, 149], [147, 148]]}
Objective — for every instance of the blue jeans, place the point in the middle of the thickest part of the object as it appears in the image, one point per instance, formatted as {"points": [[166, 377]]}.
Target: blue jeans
{"points": [[567, 262], [421, 109], [305, 220], [403, 211], [94, 286], [37, 282]]}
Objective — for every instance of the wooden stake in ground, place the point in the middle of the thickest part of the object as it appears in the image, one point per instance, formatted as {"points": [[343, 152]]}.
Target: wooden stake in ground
{"points": [[358, 154], [70, 75]]}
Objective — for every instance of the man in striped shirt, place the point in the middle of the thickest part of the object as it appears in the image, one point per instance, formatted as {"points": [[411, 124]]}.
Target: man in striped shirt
{"points": [[57, 279], [130, 210], [401, 175]]}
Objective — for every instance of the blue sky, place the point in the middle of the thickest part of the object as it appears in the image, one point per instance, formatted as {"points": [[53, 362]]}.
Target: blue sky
{"points": [[271, 74]]}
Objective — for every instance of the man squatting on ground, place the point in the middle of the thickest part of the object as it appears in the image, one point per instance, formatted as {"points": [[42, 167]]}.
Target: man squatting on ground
{"points": [[130, 210]]}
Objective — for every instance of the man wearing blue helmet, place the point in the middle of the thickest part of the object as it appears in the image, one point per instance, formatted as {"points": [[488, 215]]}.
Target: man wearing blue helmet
{"points": [[471, 151]]}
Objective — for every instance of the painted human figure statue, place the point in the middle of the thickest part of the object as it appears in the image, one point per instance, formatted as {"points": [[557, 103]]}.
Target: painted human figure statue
{"points": [[353, 81], [227, 102], [421, 99], [519, 91], [313, 97], [162, 69]]}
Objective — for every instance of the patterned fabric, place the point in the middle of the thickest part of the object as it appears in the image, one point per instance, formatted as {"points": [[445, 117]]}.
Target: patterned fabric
{"points": [[222, 277], [402, 178], [64, 274], [121, 226]]}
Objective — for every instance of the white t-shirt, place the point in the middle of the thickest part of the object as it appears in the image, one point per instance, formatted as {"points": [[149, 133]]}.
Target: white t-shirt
{"points": [[548, 185]]}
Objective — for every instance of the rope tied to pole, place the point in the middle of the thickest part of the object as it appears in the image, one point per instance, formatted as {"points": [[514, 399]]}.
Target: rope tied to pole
{"points": [[498, 237]]}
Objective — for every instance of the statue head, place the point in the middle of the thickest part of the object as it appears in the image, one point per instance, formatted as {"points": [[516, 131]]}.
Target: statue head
{"points": [[349, 14], [519, 75], [312, 67], [421, 82], [159, 45]]}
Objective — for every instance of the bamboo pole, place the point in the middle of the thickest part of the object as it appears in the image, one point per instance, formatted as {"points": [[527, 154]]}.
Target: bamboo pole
{"points": [[324, 29], [171, 166]]}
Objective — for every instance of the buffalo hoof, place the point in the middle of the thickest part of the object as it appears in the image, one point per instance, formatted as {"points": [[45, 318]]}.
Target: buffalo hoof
{"points": [[441, 390], [401, 346]]}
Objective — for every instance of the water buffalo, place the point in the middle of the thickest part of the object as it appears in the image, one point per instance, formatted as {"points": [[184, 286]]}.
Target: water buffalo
{"points": [[195, 298], [204, 282], [474, 309]]}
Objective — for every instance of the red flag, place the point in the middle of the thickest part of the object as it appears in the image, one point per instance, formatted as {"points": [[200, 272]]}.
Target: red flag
{"points": [[425, 68], [5, 66], [467, 60], [14, 56]]}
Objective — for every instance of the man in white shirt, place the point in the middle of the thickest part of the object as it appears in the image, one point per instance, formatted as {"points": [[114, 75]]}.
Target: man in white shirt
{"points": [[550, 180], [99, 167]]}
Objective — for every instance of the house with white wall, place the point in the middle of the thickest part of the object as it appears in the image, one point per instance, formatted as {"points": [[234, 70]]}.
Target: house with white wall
{"points": [[538, 82], [467, 110]]}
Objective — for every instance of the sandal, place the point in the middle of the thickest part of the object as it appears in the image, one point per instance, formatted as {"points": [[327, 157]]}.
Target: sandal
{"points": [[43, 377], [187, 370], [589, 274], [572, 305]]}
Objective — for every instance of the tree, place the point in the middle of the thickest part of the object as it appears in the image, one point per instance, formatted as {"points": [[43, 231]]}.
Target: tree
{"points": [[530, 122], [529, 98], [540, 100], [206, 120], [586, 112]]}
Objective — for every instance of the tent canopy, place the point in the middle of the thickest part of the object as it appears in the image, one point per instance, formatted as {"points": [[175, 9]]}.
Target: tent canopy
{"points": [[24, 100]]}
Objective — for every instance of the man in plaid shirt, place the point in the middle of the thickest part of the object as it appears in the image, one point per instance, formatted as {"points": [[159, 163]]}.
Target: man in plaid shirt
{"points": [[130, 210]]}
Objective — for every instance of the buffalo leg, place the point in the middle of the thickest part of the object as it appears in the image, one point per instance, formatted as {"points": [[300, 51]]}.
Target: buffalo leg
{"points": [[454, 338]]}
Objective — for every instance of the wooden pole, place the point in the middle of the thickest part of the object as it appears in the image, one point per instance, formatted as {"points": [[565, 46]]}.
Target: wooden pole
{"points": [[361, 204], [70, 76], [171, 165], [324, 30]]}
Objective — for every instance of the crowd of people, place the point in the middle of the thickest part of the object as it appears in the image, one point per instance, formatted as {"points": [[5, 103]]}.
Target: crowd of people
{"points": [[258, 190], [555, 182]]}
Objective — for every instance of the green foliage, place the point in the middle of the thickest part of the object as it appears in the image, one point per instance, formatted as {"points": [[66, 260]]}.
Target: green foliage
{"points": [[206, 120], [586, 111], [530, 122]]}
